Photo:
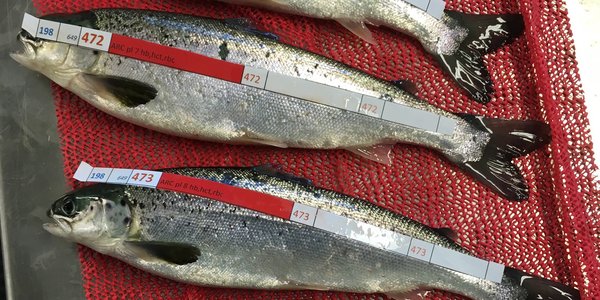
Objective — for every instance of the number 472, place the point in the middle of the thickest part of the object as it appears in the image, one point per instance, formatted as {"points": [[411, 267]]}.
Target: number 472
{"points": [[87, 40]]}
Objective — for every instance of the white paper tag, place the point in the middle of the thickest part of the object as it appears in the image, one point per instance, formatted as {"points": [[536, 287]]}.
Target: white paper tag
{"points": [[95, 39], [144, 178]]}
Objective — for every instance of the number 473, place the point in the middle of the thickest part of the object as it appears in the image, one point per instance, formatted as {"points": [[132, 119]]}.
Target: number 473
{"points": [[141, 176], [301, 215]]}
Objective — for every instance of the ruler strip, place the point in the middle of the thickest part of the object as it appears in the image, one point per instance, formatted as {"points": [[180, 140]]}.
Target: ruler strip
{"points": [[236, 73], [289, 210]]}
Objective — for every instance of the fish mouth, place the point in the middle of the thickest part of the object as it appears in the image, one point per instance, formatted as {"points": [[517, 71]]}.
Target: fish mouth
{"points": [[59, 227], [28, 46]]}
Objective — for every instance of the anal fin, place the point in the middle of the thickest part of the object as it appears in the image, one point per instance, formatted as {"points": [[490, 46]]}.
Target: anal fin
{"points": [[378, 153], [358, 28], [249, 137], [417, 294]]}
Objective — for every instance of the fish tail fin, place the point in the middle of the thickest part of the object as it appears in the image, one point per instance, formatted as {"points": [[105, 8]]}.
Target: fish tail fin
{"points": [[486, 34], [542, 289], [508, 139]]}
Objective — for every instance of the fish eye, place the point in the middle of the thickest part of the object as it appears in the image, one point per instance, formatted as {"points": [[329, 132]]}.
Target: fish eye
{"points": [[68, 208]]}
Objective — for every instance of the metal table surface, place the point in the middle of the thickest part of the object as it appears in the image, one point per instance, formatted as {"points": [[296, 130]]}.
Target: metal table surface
{"points": [[37, 264], [40, 266]]}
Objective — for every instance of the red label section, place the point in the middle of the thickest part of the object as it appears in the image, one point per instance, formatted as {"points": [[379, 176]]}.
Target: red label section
{"points": [[253, 200], [175, 58]]}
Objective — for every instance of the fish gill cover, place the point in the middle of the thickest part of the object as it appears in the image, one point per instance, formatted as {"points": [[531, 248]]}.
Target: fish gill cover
{"points": [[550, 235]]}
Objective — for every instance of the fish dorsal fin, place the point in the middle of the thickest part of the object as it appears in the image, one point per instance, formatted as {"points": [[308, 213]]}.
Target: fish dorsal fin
{"points": [[447, 232], [247, 26], [174, 253], [406, 85], [129, 92], [274, 171]]}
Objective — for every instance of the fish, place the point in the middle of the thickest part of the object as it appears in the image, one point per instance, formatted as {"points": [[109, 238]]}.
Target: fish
{"points": [[458, 41], [199, 107], [200, 241]]}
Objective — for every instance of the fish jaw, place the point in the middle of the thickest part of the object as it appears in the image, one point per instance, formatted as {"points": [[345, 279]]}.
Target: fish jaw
{"points": [[26, 56], [58, 228]]}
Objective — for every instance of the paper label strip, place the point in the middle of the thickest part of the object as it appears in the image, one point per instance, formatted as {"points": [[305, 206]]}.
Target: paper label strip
{"points": [[289, 210], [236, 73]]}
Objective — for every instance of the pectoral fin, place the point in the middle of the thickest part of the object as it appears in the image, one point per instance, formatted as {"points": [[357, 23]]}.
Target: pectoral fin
{"points": [[359, 28], [129, 92], [175, 253]]}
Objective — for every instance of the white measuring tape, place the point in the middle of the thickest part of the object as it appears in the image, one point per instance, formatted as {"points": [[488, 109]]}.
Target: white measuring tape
{"points": [[246, 75], [433, 7], [356, 230]]}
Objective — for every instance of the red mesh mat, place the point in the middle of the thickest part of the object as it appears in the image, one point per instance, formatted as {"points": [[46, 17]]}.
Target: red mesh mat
{"points": [[554, 234]]}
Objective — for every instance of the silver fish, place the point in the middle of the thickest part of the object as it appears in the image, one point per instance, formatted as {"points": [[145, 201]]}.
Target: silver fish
{"points": [[205, 242], [458, 41], [200, 107]]}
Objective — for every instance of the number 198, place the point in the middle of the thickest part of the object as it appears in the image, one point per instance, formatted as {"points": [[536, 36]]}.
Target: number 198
{"points": [[46, 31]]}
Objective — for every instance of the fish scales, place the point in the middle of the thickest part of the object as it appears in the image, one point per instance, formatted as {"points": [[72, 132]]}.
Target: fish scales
{"points": [[200, 241], [235, 242], [193, 105], [399, 15], [458, 41]]}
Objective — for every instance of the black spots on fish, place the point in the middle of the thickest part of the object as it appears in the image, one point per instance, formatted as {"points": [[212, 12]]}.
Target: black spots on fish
{"points": [[310, 71], [244, 224], [316, 66], [126, 221], [164, 205], [91, 208], [280, 233], [297, 71], [96, 52], [227, 178], [123, 202], [108, 206], [142, 205], [317, 195], [268, 54], [387, 97], [233, 209], [223, 51]]}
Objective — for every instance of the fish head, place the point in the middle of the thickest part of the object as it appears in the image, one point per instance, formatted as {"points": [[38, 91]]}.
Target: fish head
{"points": [[58, 61], [97, 216]]}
